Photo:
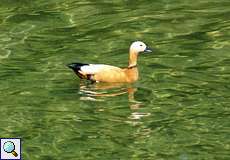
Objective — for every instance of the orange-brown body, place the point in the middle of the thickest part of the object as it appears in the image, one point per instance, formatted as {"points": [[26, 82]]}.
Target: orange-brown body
{"points": [[117, 75]]}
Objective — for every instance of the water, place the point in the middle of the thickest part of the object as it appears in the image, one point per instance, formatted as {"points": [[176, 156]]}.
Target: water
{"points": [[179, 109]]}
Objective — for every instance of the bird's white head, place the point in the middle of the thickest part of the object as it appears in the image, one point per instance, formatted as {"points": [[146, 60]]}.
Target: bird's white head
{"points": [[138, 47]]}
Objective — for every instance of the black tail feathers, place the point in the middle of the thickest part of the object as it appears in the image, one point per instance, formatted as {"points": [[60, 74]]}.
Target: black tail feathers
{"points": [[76, 66]]}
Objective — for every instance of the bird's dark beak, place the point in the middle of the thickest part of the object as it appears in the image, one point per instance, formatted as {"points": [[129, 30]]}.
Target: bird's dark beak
{"points": [[148, 50]]}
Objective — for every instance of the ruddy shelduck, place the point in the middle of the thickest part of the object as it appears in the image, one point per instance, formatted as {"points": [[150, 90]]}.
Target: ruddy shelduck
{"points": [[108, 73]]}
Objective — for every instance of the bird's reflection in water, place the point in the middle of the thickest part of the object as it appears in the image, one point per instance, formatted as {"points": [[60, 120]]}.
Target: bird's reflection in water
{"points": [[101, 91]]}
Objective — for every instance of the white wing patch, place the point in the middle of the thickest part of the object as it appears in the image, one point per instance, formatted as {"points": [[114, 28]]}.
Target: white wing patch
{"points": [[95, 68]]}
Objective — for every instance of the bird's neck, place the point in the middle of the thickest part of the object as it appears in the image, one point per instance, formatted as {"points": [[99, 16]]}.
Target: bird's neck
{"points": [[132, 59]]}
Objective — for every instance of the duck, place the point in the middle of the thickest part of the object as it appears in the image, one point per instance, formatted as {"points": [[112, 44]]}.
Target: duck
{"points": [[109, 73]]}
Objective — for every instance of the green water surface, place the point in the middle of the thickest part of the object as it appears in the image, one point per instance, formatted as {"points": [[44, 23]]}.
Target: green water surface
{"points": [[178, 110]]}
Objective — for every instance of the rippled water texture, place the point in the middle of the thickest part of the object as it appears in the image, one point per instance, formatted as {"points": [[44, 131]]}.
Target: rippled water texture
{"points": [[179, 109]]}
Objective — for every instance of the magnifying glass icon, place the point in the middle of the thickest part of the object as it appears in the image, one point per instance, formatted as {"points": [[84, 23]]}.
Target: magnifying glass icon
{"points": [[9, 147]]}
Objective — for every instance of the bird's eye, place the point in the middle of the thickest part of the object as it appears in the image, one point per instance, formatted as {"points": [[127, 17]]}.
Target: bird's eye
{"points": [[141, 45]]}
